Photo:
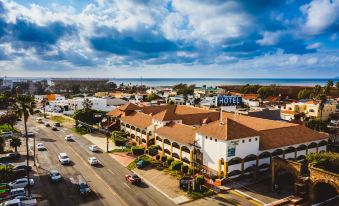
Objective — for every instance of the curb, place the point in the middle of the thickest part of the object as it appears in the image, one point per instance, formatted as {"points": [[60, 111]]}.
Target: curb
{"points": [[239, 193], [157, 189]]}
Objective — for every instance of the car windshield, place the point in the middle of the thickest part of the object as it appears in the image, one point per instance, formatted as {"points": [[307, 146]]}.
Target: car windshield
{"points": [[64, 157], [55, 174], [83, 185], [134, 176]]}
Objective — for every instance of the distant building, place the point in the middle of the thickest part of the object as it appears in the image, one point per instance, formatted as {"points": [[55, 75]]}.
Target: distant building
{"points": [[180, 100], [78, 84], [310, 108], [260, 112], [207, 91]]}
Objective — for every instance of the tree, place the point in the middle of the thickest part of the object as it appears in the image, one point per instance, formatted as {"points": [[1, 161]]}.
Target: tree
{"points": [[24, 107], [317, 125], [316, 90], [323, 100], [304, 94], [87, 105], [325, 160], [329, 83], [15, 142], [151, 97], [2, 144], [337, 85]]}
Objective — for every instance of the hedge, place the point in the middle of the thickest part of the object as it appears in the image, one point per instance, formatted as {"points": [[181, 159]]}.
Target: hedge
{"points": [[138, 150], [163, 158], [176, 165], [184, 168], [169, 160]]}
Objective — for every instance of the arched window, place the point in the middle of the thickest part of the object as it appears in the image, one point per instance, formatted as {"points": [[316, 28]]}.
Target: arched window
{"points": [[132, 127], [186, 160], [312, 145], [301, 147], [250, 158], [166, 141], [143, 132], [143, 140], [175, 155], [264, 155], [176, 145], [128, 126], [322, 143], [289, 150], [138, 130], [234, 173], [185, 149], [158, 138], [167, 151], [277, 152], [234, 161]]}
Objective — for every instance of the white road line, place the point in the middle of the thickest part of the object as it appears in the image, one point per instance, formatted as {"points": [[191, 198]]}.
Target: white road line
{"points": [[110, 171], [127, 185]]}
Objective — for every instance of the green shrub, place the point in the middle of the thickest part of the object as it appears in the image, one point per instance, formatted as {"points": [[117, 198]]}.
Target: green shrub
{"points": [[169, 160], [176, 165], [138, 150], [325, 160], [6, 173], [163, 158], [184, 168], [200, 179]]}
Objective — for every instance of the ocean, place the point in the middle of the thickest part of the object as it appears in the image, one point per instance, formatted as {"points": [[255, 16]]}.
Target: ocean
{"points": [[210, 81], [221, 81]]}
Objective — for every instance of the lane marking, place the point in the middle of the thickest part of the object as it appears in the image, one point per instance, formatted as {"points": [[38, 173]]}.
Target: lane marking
{"points": [[110, 171], [127, 185], [86, 165]]}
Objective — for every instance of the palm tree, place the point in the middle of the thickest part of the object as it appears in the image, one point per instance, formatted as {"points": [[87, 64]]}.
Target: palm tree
{"points": [[24, 107], [323, 100], [44, 103], [15, 142], [87, 104]]}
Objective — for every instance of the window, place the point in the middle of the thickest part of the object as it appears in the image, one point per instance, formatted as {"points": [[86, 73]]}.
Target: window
{"points": [[206, 137], [249, 140], [243, 141], [256, 139], [215, 140], [210, 138]]}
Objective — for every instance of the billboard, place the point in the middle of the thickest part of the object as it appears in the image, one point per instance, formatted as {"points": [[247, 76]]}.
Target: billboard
{"points": [[228, 100]]}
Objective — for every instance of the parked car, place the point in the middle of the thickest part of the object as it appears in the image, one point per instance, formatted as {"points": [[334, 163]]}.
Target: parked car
{"points": [[23, 167], [39, 120], [20, 173], [30, 134], [94, 148], [20, 202], [64, 159], [41, 147], [140, 164], [57, 124], [8, 134], [55, 175], [47, 124], [133, 178], [93, 161], [84, 188], [69, 137], [21, 183], [17, 192], [13, 156], [54, 128]]}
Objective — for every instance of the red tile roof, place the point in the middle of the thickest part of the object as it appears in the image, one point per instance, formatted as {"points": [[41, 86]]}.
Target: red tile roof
{"points": [[178, 132]]}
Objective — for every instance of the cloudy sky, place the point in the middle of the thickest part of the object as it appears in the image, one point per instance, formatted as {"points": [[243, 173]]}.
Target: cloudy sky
{"points": [[169, 38]]}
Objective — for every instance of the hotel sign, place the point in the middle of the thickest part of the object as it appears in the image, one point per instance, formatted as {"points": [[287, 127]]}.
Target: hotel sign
{"points": [[228, 100]]}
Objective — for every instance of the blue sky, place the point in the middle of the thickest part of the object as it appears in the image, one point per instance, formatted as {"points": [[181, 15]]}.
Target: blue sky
{"points": [[169, 38]]}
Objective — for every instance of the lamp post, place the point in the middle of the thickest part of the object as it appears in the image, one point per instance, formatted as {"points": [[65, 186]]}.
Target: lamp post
{"points": [[107, 142], [193, 163]]}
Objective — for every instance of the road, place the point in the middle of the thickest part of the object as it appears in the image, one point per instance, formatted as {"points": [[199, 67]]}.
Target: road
{"points": [[107, 181]]}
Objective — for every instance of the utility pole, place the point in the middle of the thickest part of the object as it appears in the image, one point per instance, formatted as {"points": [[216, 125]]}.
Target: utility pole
{"points": [[107, 142], [194, 159]]}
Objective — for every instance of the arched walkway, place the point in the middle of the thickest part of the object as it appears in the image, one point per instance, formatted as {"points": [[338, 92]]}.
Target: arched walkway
{"points": [[285, 180], [323, 191]]}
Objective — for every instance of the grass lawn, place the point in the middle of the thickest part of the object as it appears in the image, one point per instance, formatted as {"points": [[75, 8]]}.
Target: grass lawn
{"points": [[6, 128], [146, 158], [120, 150], [78, 130], [205, 192], [60, 119]]}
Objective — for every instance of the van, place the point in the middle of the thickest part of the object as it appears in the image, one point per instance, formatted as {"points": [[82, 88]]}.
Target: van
{"points": [[8, 134]]}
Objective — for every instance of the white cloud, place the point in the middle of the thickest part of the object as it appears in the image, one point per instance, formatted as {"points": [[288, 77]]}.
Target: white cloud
{"points": [[320, 15], [314, 46], [270, 38]]}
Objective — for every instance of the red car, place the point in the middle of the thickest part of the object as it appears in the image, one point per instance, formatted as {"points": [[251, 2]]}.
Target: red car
{"points": [[133, 178]]}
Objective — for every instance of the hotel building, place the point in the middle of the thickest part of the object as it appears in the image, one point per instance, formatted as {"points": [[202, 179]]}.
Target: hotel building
{"points": [[227, 145]]}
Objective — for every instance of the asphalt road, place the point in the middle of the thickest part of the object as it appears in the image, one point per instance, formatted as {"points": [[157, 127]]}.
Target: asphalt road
{"points": [[107, 181]]}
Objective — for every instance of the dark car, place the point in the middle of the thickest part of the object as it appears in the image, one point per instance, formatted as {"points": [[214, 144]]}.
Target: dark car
{"points": [[20, 173], [84, 188], [13, 156], [57, 124], [141, 164], [54, 128], [133, 178], [24, 167]]}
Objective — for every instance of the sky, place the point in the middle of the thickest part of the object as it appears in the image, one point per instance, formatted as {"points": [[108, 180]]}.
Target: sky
{"points": [[170, 38]]}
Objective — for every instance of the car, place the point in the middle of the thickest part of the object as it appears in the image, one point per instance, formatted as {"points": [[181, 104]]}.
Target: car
{"points": [[69, 137], [20, 173], [20, 201], [133, 178], [94, 148], [55, 175], [39, 120], [47, 124], [8, 134], [54, 128], [17, 192], [13, 156], [93, 161], [23, 167], [83, 187], [41, 147], [140, 164], [30, 134], [57, 124], [20, 183], [63, 158]]}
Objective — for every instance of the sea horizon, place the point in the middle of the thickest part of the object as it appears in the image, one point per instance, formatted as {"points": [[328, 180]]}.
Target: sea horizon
{"points": [[153, 82]]}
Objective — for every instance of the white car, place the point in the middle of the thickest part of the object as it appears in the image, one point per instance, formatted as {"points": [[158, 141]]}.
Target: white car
{"points": [[94, 148], [29, 134], [39, 120], [20, 183], [6, 134], [93, 161], [63, 158], [40, 147], [69, 137]]}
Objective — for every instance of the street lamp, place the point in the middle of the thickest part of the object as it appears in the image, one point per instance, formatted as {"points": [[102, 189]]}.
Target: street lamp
{"points": [[193, 163]]}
